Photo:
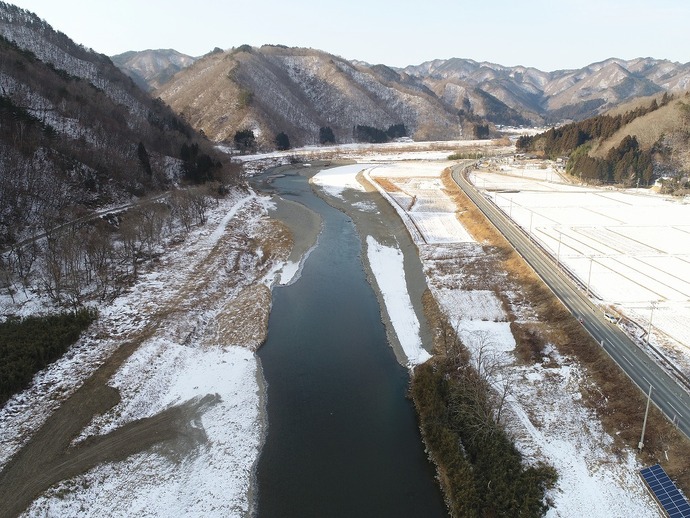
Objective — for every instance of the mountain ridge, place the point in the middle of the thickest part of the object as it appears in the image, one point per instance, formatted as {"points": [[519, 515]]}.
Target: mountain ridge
{"points": [[461, 94], [298, 91]]}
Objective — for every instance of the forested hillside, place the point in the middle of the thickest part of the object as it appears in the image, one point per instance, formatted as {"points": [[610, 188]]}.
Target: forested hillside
{"points": [[76, 133], [305, 94], [631, 148], [78, 137]]}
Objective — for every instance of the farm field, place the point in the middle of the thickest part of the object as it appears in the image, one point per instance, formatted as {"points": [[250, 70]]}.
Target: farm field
{"points": [[631, 247]]}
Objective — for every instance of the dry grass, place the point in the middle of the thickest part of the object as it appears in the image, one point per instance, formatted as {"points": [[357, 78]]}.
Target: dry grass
{"points": [[618, 403], [244, 319], [530, 341], [387, 185], [275, 242], [470, 216]]}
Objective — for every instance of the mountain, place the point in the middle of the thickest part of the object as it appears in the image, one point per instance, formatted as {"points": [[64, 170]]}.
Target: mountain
{"points": [[635, 144], [150, 69], [275, 89], [76, 133], [551, 97]]}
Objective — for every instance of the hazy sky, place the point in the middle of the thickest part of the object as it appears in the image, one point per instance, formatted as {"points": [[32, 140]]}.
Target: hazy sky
{"points": [[546, 34]]}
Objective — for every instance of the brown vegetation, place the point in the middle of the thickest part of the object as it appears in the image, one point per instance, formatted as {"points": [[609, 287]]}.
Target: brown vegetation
{"points": [[387, 185], [619, 404]]}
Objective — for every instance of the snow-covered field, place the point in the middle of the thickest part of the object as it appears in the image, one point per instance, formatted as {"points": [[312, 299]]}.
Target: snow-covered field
{"points": [[418, 195], [549, 422], [187, 362], [632, 247]]}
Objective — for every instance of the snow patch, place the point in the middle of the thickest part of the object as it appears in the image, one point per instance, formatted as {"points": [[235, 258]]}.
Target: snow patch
{"points": [[387, 265]]}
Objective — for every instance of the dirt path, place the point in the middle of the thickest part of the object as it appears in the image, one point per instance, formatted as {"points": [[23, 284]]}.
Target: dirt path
{"points": [[206, 282], [47, 458]]}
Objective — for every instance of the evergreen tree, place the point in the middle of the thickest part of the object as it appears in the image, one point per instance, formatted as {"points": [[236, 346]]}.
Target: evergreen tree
{"points": [[245, 140], [396, 131], [370, 134], [144, 158], [326, 135], [282, 142]]}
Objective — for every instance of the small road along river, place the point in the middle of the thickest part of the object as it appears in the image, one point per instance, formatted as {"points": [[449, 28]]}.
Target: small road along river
{"points": [[667, 394]]}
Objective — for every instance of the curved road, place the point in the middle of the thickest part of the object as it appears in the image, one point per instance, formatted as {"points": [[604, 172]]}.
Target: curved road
{"points": [[667, 394]]}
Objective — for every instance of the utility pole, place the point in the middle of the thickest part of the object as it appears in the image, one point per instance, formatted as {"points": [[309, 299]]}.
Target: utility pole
{"points": [[589, 277], [644, 423], [558, 253], [649, 330]]}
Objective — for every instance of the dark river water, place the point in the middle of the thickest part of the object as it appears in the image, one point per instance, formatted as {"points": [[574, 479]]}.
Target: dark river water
{"points": [[343, 439]]}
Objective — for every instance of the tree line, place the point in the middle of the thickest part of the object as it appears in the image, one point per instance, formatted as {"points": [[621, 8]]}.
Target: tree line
{"points": [[461, 399], [564, 140], [245, 140], [626, 164], [28, 345], [372, 135]]}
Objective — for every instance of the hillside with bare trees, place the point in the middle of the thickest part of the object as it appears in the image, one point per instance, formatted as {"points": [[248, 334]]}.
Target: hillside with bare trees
{"points": [[76, 134]]}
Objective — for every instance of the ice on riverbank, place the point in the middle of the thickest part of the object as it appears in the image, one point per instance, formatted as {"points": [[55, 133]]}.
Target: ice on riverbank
{"points": [[334, 181]]}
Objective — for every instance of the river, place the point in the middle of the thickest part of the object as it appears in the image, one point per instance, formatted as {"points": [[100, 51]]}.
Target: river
{"points": [[343, 439]]}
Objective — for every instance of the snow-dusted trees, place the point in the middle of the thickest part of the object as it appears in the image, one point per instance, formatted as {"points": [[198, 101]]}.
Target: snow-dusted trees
{"points": [[95, 257], [189, 206], [64, 275], [460, 395]]}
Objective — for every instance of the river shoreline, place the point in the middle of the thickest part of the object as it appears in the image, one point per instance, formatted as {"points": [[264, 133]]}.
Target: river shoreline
{"points": [[367, 219], [379, 221]]}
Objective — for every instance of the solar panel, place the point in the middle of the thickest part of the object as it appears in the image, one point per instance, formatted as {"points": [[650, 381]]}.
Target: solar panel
{"points": [[665, 491]]}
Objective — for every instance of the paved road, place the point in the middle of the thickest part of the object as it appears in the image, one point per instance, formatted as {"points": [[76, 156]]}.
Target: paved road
{"points": [[667, 393]]}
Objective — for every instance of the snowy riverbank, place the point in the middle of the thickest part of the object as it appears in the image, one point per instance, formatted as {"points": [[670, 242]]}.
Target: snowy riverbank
{"points": [[217, 281], [182, 309], [549, 421]]}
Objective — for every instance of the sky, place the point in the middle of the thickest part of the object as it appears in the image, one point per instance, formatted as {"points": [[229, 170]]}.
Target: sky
{"points": [[545, 34]]}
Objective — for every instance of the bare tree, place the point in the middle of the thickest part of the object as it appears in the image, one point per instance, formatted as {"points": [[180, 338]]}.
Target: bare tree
{"points": [[200, 204], [100, 256], [23, 258], [131, 243], [484, 384], [6, 277], [182, 208], [152, 219]]}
